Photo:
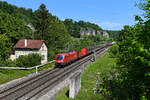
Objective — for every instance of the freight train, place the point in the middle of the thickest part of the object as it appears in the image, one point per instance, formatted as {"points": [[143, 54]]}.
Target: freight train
{"points": [[66, 58]]}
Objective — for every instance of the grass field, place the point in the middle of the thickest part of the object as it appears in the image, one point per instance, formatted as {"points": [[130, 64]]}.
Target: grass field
{"points": [[89, 77], [7, 75]]}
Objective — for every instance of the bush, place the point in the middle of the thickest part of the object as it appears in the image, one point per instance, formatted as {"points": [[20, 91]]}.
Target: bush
{"points": [[51, 55], [7, 63], [113, 51], [29, 60]]}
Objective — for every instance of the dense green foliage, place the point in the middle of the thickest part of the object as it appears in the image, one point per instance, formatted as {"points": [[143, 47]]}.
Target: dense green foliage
{"points": [[23, 61], [29, 60], [132, 79], [42, 22], [114, 34], [75, 27], [5, 47], [26, 15], [78, 44], [13, 28]]}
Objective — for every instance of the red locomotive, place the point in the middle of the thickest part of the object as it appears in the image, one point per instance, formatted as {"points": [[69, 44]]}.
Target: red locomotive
{"points": [[68, 57]]}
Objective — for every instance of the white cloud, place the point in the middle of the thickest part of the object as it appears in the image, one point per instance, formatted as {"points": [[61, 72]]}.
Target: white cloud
{"points": [[110, 25]]}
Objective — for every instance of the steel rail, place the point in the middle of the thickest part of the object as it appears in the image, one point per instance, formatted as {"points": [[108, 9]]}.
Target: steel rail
{"points": [[56, 80]]}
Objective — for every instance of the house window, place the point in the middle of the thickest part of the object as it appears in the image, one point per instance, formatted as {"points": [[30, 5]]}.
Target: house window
{"points": [[43, 57], [42, 48]]}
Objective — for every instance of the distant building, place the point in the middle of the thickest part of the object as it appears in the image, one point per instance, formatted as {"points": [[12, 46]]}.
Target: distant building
{"points": [[25, 47]]}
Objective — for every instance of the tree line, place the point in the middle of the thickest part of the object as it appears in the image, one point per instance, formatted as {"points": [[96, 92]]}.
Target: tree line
{"points": [[14, 25]]}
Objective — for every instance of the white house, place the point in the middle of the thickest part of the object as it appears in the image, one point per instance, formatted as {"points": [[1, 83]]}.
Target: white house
{"points": [[25, 47]]}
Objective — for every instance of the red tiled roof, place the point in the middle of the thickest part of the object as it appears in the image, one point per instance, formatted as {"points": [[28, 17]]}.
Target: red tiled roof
{"points": [[31, 44]]}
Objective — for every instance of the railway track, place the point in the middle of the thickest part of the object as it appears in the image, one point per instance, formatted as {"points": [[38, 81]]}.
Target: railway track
{"points": [[32, 87]]}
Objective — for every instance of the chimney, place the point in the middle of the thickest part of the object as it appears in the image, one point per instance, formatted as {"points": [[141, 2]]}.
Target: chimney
{"points": [[25, 42]]}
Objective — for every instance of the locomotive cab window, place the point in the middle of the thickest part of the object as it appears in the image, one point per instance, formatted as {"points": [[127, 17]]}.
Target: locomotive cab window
{"points": [[59, 57]]}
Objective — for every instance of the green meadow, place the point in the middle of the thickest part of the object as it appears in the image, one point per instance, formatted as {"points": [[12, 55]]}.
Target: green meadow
{"points": [[7, 75]]}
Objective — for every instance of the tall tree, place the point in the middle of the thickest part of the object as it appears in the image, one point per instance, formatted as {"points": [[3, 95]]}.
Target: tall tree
{"points": [[50, 29], [42, 21], [56, 37]]}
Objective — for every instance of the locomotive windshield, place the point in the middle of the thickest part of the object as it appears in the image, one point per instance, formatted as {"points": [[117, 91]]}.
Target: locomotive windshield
{"points": [[59, 57]]}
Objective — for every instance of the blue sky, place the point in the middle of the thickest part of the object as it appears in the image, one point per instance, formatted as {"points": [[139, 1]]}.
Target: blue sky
{"points": [[108, 14]]}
